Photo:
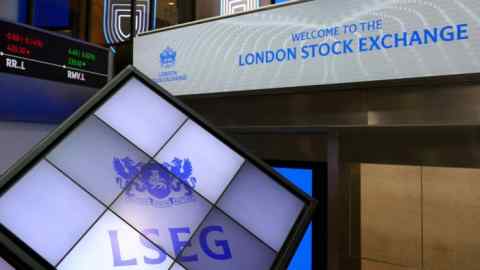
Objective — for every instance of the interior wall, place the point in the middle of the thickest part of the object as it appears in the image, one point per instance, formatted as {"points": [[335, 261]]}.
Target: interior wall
{"points": [[451, 207], [16, 139], [391, 215], [206, 9], [419, 217], [285, 147], [95, 18], [9, 10], [78, 21]]}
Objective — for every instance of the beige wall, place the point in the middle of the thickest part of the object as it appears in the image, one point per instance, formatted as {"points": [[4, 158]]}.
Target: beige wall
{"points": [[415, 217], [451, 218], [390, 214], [373, 265]]}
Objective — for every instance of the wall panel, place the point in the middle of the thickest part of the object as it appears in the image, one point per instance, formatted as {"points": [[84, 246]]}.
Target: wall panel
{"points": [[371, 265], [391, 217], [451, 218]]}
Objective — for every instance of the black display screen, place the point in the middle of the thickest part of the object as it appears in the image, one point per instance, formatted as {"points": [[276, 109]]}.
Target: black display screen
{"points": [[45, 77], [31, 52]]}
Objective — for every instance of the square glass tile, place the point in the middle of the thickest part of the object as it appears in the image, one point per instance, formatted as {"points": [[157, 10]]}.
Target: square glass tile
{"points": [[140, 115], [195, 155], [177, 266], [222, 244], [113, 244], [164, 205], [261, 205], [5, 266], [48, 211], [98, 159]]}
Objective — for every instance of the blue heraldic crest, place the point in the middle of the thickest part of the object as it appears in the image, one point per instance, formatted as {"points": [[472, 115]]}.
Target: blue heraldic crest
{"points": [[158, 185], [168, 58]]}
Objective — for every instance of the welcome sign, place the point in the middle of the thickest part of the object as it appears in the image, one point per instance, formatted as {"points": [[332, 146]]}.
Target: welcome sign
{"points": [[315, 43], [135, 180]]}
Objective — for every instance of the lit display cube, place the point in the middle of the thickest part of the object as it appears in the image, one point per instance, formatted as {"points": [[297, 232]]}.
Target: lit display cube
{"points": [[135, 180]]}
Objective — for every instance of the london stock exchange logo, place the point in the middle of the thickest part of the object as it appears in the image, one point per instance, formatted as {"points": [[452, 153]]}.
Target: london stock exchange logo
{"points": [[117, 22], [154, 184], [168, 60]]}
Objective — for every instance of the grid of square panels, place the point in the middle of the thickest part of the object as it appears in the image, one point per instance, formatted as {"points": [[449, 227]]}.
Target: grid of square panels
{"points": [[138, 184]]}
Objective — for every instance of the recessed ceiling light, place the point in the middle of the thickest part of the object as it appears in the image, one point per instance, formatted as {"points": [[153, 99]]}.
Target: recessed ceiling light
{"points": [[171, 3]]}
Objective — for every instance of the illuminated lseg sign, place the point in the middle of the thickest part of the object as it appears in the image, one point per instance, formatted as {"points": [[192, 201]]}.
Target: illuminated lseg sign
{"points": [[134, 180]]}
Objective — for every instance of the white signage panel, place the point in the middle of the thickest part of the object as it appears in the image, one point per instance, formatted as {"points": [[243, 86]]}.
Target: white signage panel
{"points": [[315, 43]]}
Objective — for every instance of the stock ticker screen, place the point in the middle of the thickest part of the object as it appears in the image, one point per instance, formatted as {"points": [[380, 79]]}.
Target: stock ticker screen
{"points": [[138, 182], [45, 76]]}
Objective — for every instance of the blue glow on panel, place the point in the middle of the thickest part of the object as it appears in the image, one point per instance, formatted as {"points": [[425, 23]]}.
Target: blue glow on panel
{"points": [[302, 178], [51, 13], [280, 1], [22, 11]]}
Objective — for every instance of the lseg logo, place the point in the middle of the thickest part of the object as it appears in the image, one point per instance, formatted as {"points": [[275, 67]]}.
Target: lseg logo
{"points": [[155, 187], [219, 250]]}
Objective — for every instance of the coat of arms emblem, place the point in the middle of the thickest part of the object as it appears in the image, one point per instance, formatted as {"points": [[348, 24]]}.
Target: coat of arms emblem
{"points": [[159, 185]]}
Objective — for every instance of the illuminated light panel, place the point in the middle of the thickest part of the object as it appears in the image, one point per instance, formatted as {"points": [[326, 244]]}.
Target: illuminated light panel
{"points": [[47, 211], [93, 142], [249, 209], [229, 7], [177, 267], [219, 165], [116, 19], [135, 180], [241, 251], [5, 266], [139, 115], [118, 234], [188, 211]]}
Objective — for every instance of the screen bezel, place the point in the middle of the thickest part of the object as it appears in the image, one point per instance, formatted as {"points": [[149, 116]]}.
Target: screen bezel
{"points": [[319, 193]]}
